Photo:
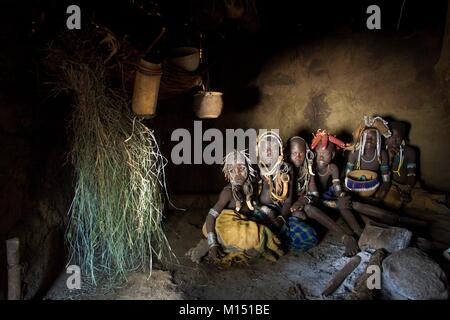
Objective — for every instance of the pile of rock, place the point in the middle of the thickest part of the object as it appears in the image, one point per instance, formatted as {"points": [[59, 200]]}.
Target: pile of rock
{"points": [[408, 273]]}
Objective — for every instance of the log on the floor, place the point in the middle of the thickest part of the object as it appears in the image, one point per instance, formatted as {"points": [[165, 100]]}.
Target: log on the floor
{"points": [[387, 216], [439, 224], [342, 274], [361, 291], [368, 221]]}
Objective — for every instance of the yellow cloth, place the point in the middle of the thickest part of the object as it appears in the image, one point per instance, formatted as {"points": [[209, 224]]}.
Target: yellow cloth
{"points": [[242, 238], [420, 199]]}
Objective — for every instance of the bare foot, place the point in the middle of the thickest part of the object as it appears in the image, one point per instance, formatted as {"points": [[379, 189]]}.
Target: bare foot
{"points": [[270, 256], [351, 246], [199, 251]]}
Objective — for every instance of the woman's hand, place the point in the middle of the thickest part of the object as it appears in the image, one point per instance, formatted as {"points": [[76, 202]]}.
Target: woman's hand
{"points": [[299, 204], [406, 195], [299, 214], [215, 252], [382, 192], [279, 222]]}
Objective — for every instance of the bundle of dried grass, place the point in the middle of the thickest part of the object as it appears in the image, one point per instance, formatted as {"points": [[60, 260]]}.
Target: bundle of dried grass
{"points": [[116, 215]]}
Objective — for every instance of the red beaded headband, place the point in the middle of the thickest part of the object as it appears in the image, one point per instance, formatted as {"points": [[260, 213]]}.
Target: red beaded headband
{"points": [[324, 136]]}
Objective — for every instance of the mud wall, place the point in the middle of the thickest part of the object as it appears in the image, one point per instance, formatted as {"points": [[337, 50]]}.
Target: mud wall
{"points": [[331, 83], [36, 189], [334, 83], [35, 178]]}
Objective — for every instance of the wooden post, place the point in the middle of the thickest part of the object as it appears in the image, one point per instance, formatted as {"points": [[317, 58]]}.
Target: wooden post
{"points": [[13, 259], [361, 291], [387, 216], [342, 274]]}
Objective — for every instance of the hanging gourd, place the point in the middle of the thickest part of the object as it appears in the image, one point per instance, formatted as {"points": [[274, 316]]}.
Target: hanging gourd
{"points": [[186, 58], [146, 85], [207, 104]]}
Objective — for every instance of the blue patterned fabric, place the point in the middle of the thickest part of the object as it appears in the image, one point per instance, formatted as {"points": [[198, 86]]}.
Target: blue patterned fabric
{"points": [[300, 236], [297, 235]]}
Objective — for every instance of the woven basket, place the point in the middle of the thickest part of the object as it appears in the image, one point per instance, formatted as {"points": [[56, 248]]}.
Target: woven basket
{"points": [[363, 182], [187, 58], [146, 87]]}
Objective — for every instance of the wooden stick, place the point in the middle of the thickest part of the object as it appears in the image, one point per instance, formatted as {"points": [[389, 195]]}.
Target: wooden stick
{"points": [[400, 16], [342, 274], [150, 47], [361, 291], [386, 216], [12, 255]]}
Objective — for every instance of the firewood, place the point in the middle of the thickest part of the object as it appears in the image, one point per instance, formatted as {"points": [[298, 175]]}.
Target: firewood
{"points": [[342, 274], [361, 291]]}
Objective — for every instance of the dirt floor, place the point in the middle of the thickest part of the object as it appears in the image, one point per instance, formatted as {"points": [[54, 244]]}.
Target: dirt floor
{"points": [[293, 277], [139, 287]]}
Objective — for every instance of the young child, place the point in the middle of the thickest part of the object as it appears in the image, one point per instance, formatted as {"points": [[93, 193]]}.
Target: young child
{"points": [[368, 153], [328, 182], [228, 227], [307, 192], [405, 191], [277, 190]]}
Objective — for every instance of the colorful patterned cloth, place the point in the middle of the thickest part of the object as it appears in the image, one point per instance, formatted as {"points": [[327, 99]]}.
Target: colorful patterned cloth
{"points": [[299, 235], [242, 238]]}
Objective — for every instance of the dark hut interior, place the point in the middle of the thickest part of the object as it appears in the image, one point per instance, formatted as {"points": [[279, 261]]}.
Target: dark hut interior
{"points": [[116, 119]]}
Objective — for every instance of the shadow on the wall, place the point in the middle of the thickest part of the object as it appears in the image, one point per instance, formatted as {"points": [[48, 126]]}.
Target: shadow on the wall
{"points": [[242, 99]]}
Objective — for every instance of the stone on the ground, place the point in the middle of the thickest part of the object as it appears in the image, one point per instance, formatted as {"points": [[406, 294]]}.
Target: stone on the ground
{"points": [[409, 274], [391, 239]]}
